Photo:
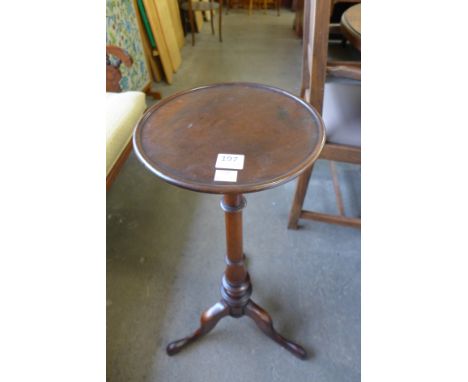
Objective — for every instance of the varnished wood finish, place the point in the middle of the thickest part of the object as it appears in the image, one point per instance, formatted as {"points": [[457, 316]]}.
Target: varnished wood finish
{"points": [[351, 25], [280, 136], [315, 67], [236, 288], [208, 321], [341, 153], [265, 323], [317, 73], [299, 196], [148, 91], [313, 80], [265, 6], [180, 137], [333, 219], [344, 69]]}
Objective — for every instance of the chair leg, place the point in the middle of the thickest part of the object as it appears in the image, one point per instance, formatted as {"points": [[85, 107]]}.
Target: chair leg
{"points": [[250, 7], [299, 196], [192, 25], [336, 187], [220, 19], [212, 21], [278, 6]]}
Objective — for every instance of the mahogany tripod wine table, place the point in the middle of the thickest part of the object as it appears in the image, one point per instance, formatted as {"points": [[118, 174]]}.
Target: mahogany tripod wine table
{"points": [[230, 139]]}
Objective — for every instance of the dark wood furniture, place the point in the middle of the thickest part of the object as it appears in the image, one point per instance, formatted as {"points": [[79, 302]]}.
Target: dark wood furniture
{"points": [[351, 25], [337, 7], [315, 69], [350, 28], [265, 6], [249, 4], [192, 6], [180, 140]]}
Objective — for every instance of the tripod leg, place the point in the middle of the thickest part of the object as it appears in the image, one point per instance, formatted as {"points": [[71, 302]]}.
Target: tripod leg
{"points": [[265, 323], [208, 321]]}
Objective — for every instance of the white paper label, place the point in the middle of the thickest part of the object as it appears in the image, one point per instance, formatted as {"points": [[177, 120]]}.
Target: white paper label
{"points": [[225, 176], [232, 161]]}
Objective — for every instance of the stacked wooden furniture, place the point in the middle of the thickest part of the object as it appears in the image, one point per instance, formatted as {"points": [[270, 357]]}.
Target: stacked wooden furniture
{"points": [[208, 7], [335, 27], [264, 5], [339, 102], [251, 4], [162, 36]]}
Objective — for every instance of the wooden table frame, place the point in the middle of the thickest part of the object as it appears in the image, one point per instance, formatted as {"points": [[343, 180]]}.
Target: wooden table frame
{"points": [[179, 140], [236, 288]]}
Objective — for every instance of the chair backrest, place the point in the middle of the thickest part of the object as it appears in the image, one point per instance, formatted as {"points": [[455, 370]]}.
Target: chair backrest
{"points": [[315, 50], [113, 74]]}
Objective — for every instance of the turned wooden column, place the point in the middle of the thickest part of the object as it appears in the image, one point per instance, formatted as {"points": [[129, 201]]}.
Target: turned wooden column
{"points": [[236, 287]]}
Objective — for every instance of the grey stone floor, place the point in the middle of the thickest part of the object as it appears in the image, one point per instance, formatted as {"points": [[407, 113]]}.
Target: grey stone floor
{"points": [[166, 246]]}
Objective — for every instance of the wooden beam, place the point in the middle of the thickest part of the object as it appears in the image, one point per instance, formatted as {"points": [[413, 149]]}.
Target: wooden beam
{"points": [[168, 32], [336, 187], [332, 219], [341, 153], [344, 69]]}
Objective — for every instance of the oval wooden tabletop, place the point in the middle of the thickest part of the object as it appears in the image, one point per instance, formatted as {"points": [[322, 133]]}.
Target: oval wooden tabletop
{"points": [[351, 25], [180, 139]]}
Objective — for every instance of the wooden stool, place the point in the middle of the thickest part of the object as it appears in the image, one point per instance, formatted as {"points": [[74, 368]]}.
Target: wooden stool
{"points": [[230, 139]]}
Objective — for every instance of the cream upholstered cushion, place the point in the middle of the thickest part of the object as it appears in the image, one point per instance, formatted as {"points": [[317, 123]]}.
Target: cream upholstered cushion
{"points": [[342, 112], [123, 112]]}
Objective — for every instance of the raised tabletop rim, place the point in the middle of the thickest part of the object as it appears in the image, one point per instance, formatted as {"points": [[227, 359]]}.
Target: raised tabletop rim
{"points": [[229, 188]]}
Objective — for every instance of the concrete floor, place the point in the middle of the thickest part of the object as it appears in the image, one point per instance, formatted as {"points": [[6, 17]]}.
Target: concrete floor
{"points": [[166, 246]]}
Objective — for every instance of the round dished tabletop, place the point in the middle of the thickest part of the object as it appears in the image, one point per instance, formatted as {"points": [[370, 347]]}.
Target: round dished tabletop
{"points": [[229, 138]]}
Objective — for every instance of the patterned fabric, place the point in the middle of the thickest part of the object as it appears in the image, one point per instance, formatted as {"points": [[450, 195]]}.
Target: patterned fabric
{"points": [[122, 30]]}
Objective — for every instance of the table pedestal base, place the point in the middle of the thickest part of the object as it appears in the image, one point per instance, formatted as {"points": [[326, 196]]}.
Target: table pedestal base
{"points": [[213, 315], [236, 288]]}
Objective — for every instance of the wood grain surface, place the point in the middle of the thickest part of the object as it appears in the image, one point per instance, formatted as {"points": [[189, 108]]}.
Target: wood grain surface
{"points": [[179, 138]]}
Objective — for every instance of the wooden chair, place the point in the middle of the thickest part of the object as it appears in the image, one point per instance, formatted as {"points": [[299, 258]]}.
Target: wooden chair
{"points": [[192, 6], [265, 5], [340, 111], [123, 111], [340, 6], [249, 4]]}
